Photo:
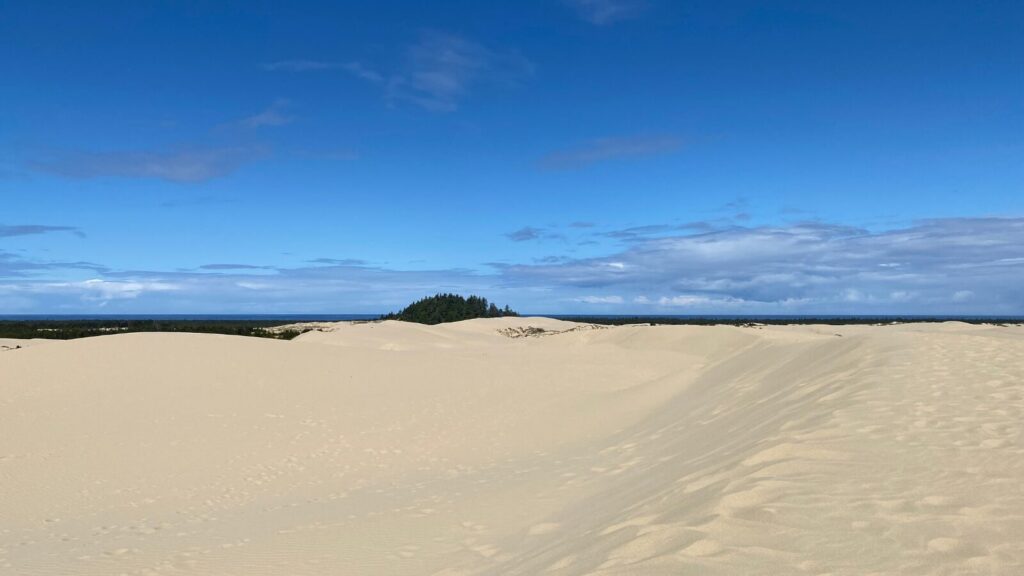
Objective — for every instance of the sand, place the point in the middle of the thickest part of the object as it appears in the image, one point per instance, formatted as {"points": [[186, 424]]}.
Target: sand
{"points": [[458, 450], [15, 344]]}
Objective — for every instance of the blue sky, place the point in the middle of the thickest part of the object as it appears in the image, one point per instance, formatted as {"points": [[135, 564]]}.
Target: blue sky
{"points": [[561, 156]]}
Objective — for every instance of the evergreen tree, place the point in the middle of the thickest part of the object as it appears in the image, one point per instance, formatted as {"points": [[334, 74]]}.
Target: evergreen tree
{"points": [[442, 308]]}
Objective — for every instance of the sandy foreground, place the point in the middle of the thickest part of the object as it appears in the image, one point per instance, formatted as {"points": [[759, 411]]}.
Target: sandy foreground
{"points": [[393, 448]]}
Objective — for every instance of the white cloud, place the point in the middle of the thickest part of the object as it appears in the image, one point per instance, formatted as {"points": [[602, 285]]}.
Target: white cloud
{"points": [[902, 296], [951, 266], [853, 295], [442, 68], [99, 289], [437, 73], [109, 290], [360, 71], [355, 68], [822, 268], [300, 65], [603, 12], [254, 285], [600, 299], [696, 300], [962, 295], [273, 115]]}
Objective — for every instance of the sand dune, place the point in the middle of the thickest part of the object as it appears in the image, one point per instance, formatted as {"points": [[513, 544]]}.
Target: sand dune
{"points": [[391, 448], [14, 344]]}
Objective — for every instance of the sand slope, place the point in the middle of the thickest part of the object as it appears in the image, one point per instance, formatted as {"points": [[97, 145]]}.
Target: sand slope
{"points": [[400, 449], [15, 343]]}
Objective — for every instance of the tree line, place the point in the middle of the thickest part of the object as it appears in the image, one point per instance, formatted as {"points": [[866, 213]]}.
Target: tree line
{"points": [[71, 329]]}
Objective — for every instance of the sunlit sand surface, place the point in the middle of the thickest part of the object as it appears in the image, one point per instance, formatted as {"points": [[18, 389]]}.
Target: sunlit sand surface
{"points": [[484, 447]]}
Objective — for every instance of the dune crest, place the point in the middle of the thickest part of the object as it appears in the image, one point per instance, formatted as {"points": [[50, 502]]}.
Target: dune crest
{"points": [[391, 448]]}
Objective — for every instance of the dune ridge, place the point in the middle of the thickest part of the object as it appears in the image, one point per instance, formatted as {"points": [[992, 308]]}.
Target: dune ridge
{"points": [[391, 448]]}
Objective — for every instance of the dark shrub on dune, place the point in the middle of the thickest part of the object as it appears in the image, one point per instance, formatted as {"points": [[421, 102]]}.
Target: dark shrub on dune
{"points": [[449, 308]]}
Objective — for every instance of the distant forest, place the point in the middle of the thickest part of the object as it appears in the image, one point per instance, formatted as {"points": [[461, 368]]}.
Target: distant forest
{"points": [[433, 310], [442, 308], [69, 329]]}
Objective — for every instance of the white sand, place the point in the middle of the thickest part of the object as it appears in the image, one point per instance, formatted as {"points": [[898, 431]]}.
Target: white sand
{"points": [[14, 344], [402, 449]]}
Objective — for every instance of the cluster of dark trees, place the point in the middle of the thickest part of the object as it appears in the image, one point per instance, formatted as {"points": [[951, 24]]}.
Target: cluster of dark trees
{"points": [[69, 329], [442, 308]]}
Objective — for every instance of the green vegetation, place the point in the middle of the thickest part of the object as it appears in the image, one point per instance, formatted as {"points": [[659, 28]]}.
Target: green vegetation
{"points": [[69, 329], [449, 308], [433, 310]]}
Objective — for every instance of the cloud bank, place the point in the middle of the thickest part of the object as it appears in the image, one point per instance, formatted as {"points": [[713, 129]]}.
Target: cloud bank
{"points": [[947, 266], [936, 266]]}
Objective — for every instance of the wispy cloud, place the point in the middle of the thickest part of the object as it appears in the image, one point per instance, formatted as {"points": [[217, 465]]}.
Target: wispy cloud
{"points": [[274, 115], [635, 233], [525, 233], [355, 68], [232, 267], [187, 164], [604, 149], [441, 69], [329, 154], [604, 12], [437, 72], [300, 65], [338, 261], [206, 200], [17, 266], [7, 231], [359, 70], [600, 299], [552, 259]]}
